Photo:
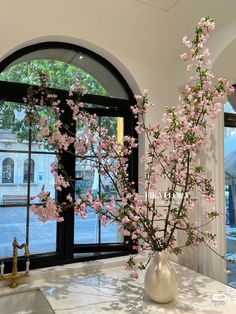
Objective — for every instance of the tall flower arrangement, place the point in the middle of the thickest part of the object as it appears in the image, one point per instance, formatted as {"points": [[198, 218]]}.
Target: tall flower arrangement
{"points": [[172, 153]]}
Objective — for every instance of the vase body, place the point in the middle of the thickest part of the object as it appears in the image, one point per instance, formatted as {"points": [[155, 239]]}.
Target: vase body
{"points": [[161, 280]]}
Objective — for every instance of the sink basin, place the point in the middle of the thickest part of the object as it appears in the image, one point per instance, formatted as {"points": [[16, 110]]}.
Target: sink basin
{"points": [[25, 302]]}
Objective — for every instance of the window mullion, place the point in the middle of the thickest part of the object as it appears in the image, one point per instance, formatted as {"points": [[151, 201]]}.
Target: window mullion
{"points": [[65, 236]]}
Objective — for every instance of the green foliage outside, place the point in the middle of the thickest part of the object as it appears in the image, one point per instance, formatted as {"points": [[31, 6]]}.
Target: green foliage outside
{"points": [[62, 76]]}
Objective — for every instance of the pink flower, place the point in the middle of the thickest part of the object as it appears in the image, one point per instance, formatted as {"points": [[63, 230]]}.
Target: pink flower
{"points": [[126, 233], [187, 43], [184, 56], [207, 23], [172, 153]]}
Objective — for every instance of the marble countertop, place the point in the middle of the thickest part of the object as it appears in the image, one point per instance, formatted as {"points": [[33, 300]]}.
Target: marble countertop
{"points": [[104, 286]]}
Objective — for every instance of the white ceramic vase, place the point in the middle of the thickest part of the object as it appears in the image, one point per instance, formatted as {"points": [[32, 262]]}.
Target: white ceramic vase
{"points": [[161, 280]]}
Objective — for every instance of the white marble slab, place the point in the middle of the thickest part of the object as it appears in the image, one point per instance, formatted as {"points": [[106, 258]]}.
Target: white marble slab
{"points": [[111, 289]]}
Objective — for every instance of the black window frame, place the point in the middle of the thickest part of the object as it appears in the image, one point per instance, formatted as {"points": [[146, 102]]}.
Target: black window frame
{"points": [[16, 92]]}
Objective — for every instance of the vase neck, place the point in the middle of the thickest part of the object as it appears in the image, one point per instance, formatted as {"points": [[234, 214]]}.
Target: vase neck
{"points": [[160, 257]]}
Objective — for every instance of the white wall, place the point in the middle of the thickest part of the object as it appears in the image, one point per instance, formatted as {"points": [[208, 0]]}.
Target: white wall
{"points": [[132, 35], [182, 19]]}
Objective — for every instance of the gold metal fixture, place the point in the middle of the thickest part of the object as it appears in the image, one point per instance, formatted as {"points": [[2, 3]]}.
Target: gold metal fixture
{"points": [[15, 275]]}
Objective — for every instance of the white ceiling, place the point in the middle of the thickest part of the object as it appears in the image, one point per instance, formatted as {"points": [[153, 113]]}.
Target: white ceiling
{"points": [[160, 4]]}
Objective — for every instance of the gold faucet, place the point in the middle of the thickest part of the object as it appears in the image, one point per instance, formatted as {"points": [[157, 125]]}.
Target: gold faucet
{"points": [[15, 275]]}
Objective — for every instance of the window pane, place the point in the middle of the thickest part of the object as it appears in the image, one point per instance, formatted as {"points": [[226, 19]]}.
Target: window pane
{"points": [[66, 67], [43, 176], [86, 230], [12, 224], [230, 192], [13, 129], [111, 234], [62, 75], [12, 188], [230, 174], [86, 178], [115, 126], [107, 185], [80, 132], [17, 192], [42, 236]]}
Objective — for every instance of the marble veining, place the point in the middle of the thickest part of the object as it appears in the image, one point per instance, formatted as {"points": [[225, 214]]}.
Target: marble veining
{"points": [[114, 290]]}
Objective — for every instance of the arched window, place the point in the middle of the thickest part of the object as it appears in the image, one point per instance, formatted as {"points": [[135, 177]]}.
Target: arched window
{"points": [[28, 168], [110, 97], [8, 171]]}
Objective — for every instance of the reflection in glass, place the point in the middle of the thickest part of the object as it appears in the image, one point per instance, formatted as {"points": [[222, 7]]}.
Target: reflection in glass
{"points": [[107, 185], [16, 194], [86, 178], [26, 166], [8, 170]]}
